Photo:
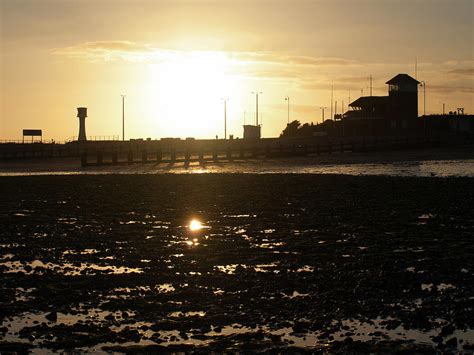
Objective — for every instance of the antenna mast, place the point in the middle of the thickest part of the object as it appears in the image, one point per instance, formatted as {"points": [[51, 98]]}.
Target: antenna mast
{"points": [[416, 68]]}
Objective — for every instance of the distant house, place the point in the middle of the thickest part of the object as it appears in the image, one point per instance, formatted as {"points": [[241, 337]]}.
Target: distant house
{"points": [[396, 113]]}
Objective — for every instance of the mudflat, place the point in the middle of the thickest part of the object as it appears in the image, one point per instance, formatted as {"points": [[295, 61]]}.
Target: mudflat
{"points": [[281, 262]]}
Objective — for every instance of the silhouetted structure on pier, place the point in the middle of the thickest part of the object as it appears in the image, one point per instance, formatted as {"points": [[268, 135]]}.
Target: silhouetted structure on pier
{"points": [[82, 114], [394, 114], [252, 132]]}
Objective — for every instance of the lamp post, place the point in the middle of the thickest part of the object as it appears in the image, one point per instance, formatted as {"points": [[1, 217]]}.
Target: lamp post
{"points": [[123, 117], [322, 108], [225, 117], [287, 98], [256, 93], [422, 83]]}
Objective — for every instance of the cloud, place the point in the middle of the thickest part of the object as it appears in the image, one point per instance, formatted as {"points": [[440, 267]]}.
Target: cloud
{"points": [[112, 50], [449, 89], [132, 51], [462, 71], [276, 58]]}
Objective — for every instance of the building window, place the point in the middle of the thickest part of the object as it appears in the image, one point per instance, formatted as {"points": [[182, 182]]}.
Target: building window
{"points": [[393, 87]]}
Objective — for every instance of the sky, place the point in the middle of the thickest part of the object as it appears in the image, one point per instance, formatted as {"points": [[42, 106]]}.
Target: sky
{"points": [[176, 61]]}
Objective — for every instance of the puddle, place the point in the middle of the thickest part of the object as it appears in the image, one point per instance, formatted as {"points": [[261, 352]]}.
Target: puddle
{"points": [[67, 269], [295, 294], [188, 314]]}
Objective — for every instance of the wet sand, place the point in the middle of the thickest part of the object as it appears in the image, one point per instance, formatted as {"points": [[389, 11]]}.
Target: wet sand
{"points": [[68, 166], [284, 262]]}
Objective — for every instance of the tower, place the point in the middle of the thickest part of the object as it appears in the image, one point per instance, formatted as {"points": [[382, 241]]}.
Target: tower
{"points": [[403, 98], [82, 114]]}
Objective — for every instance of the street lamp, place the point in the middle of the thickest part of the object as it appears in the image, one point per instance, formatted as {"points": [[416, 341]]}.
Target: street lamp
{"points": [[123, 117], [256, 93], [287, 98], [322, 108], [225, 116], [422, 83]]}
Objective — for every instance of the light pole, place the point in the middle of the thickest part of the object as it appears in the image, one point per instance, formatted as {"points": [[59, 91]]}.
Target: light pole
{"points": [[422, 83], [287, 98], [225, 117], [256, 93], [322, 108], [123, 117]]}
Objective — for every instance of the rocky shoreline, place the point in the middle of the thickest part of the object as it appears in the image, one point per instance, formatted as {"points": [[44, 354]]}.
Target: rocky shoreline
{"points": [[283, 262]]}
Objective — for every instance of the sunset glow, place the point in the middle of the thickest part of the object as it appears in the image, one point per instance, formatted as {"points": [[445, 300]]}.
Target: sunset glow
{"points": [[175, 66]]}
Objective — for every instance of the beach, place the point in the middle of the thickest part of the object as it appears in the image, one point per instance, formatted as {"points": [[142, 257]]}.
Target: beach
{"points": [[282, 262]]}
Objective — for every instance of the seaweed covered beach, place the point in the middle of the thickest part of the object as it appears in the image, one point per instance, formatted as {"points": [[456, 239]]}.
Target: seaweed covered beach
{"points": [[284, 262]]}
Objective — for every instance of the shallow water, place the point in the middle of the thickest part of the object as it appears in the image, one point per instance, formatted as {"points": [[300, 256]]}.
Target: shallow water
{"points": [[421, 168]]}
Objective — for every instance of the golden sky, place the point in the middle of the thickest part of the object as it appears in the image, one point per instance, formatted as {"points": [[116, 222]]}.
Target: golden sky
{"points": [[176, 60]]}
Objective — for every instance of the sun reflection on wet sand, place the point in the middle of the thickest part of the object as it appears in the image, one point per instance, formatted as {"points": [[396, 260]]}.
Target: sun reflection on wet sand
{"points": [[195, 225]]}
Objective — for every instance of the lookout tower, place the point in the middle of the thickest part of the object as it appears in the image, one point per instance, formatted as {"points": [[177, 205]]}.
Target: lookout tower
{"points": [[403, 98], [82, 114]]}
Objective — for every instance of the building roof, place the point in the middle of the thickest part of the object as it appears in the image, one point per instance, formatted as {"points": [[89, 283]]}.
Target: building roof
{"points": [[369, 101], [402, 79]]}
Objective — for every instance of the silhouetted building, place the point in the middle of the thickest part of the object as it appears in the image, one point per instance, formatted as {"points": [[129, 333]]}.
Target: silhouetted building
{"points": [[402, 101], [396, 113], [252, 132], [453, 123], [82, 114]]}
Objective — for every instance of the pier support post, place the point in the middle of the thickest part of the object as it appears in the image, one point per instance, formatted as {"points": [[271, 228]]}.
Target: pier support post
{"points": [[114, 157], [84, 159], [187, 155], [341, 147], [267, 152], [144, 156], [173, 155], [130, 157], [159, 156], [254, 152], [201, 155], [214, 154], [99, 157], [242, 152], [229, 154]]}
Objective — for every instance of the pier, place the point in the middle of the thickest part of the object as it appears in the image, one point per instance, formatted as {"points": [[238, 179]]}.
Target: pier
{"points": [[102, 153]]}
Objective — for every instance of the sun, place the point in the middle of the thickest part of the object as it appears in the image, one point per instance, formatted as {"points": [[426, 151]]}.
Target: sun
{"points": [[185, 91]]}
